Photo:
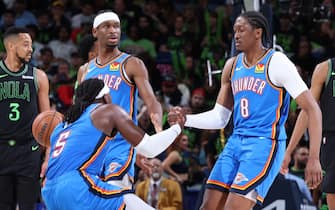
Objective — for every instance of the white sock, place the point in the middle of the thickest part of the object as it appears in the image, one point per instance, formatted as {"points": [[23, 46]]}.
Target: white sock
{"points": [[135, 203]]}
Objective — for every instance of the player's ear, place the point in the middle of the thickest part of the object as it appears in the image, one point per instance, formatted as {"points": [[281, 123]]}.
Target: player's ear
{"points": [[94, 32], [258, 33]]}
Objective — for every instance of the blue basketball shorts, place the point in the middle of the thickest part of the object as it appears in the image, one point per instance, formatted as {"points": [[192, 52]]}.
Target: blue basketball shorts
{"points": [[73, 191], [246, 164], [119, 161]]}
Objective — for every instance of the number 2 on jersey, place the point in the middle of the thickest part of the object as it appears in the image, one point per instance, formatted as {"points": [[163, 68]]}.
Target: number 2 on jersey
{"points": [[60, 143], [244, 107]]}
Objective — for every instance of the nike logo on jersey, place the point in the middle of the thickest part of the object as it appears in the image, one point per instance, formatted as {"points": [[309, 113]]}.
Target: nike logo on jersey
{"points": [[27, 77], [238, 68], [34, 147], [90, 69], [3, 75]]}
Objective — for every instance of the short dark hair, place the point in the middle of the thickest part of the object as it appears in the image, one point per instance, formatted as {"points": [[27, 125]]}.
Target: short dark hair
{"points": [[15, 31]]}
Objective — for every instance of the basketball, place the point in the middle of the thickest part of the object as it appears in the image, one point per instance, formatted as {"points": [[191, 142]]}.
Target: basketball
{"points": [[44, 124]]}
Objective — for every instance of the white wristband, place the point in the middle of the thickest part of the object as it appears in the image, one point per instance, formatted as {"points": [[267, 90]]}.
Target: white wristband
{"points": [[151, 146], [216, 118]]}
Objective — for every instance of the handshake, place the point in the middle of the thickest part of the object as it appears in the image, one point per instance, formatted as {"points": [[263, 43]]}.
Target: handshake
{"points": [[177, 115]]}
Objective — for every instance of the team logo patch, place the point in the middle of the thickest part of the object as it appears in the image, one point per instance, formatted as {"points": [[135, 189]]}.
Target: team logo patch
{"points": [[240, 178], [113, 166], [114, 66], [259, 68]]}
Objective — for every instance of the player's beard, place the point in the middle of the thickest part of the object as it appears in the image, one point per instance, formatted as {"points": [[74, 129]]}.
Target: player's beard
{"points": [[22, 59]]}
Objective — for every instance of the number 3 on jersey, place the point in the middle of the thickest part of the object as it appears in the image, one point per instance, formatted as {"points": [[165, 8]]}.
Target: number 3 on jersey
{"points": [[60, 144], [14, 115], [244, 107]]}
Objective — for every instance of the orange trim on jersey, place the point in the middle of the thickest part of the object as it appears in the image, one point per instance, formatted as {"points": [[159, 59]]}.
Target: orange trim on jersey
{"points": [[280, 100], [89, 179], [221, 184], [122, 73], [122, 207], [103, 66], [125, 166], [263, 172], [233, 67], [132, 101], [101, 190], [275, 123], [260, 198], [94, 156], [261, 58]]}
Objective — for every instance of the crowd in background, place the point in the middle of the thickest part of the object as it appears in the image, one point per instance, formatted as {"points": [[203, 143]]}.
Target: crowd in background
{"points": [[174, 39]]}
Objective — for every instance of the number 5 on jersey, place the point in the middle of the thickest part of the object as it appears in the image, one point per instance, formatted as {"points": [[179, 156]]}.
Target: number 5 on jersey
{"points": [[60, 144]]}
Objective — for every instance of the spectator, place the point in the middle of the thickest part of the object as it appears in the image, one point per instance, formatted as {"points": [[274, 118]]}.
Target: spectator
{"points": [[58, 18], [198, 100], [23, 17], [45, 31], [300, 158], [174, 94], [158, 191], [176, 164], [86, 15], [62, 46]]}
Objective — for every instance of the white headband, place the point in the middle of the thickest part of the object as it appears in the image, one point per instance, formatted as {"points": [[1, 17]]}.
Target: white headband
{"points": [[103, 91], [105, 17]]}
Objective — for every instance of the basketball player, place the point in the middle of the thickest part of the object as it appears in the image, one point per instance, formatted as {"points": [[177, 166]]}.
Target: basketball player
{"points": [[78, 147], [125, 75], [323, 90], [23, 94], [255, 84]]}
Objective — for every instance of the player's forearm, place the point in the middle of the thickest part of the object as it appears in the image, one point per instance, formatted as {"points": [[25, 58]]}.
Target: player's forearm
{"points": [[216, 118], [156, 113], [298, 131], [315, 132], [151, 146]]}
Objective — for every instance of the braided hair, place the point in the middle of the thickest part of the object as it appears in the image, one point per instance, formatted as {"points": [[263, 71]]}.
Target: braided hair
{"points": [[84, 96], [257, 20]]}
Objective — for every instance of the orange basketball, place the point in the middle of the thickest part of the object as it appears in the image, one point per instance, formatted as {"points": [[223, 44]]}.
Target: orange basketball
{"points": [[44, 124]]}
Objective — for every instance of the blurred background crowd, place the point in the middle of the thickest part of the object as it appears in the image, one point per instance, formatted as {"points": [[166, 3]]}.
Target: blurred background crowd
{"points": [[175, 39]]}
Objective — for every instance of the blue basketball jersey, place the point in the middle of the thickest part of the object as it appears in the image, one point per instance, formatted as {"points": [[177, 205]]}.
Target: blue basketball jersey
{"points": [[80, 147], [122, 90], [260, 107], [77, 146], [120, 158]]}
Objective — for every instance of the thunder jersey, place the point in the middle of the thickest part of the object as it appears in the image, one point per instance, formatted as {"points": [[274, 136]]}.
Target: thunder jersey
{"points": [[327, 100], [77, 146], [124, 93], [260, 107], [122, 90], [18, 103]]}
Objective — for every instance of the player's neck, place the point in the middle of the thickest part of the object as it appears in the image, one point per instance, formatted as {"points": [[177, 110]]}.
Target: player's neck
{"points": [[252, 57], [12, 63], [107, 55]]}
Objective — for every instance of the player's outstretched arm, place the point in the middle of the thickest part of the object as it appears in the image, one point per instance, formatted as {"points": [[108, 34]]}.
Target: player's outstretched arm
{"points": [[219, 116], [110, 117]]}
